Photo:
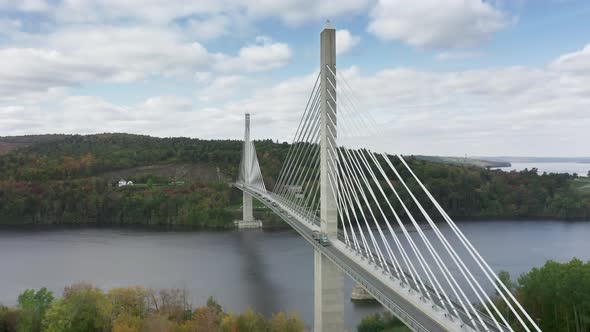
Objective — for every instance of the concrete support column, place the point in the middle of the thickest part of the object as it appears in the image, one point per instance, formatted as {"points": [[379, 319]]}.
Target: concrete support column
{"points": [[247, 215], [247, 199], [329, 280], [328, 295], [328, 132]]}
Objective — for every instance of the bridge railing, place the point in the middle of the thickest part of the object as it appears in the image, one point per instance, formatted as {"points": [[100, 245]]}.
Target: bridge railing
{"points": [[378, 295], [442, 301]]}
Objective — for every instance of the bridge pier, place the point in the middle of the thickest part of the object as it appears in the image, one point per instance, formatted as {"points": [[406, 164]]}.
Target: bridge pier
{"points": [[247, 215], [329, 295]]}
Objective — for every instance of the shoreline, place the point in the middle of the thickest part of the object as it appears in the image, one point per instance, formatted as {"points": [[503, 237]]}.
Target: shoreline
{"points": [[273, 226]]}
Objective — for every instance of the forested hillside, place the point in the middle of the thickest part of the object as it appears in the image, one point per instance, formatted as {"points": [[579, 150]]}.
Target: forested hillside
{"points": [[182, 181]]}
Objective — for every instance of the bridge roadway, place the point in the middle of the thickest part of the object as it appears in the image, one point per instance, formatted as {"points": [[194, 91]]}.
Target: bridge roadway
{"points": [[417, 313]]}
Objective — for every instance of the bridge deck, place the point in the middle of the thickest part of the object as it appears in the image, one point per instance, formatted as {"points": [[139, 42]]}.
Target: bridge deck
{"points": [[404, 306]]}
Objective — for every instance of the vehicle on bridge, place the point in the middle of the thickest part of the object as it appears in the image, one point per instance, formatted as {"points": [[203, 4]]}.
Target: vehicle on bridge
{"points": [[322, 238], [315, 235]]}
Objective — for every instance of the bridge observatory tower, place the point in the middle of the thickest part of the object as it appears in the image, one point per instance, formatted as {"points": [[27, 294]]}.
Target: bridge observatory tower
{"points": [[329, 279]]}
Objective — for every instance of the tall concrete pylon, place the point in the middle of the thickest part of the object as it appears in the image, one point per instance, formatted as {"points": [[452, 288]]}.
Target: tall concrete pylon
{"points": [[329, 280], [247, 216]]}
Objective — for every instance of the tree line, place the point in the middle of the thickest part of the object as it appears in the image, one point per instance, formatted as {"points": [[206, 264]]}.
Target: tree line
{"points": [[84, 307], [556, 295], [63, 181]]}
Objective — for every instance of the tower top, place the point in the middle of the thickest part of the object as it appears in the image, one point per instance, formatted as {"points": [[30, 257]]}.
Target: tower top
{"points": [[328, 25]]}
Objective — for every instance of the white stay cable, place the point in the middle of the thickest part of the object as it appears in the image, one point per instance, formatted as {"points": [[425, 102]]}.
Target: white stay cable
{"points": [[311, 138], [346, 178], [346, 189], [307, 129], [460, 237], [431, 250], [424, 265], [258, 170], [307, 159], [312, 95], [308, 204], [308, 181], [334, 182], [350, 176], [415, 249], [438, 260], [304, 121], [413, 220], [396, 264], [310, 131], [421, 259], [447, 246], [476, 256]]}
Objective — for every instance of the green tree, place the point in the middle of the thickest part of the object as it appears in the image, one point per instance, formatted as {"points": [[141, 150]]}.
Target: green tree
{"points": [[83, 308], [33, 305], [251, 321], [281, 322], [381, 322], [9, 318], [556, 295]]}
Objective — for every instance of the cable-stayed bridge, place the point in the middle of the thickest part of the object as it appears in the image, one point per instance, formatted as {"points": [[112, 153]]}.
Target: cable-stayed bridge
{"points": [[368, 215]]}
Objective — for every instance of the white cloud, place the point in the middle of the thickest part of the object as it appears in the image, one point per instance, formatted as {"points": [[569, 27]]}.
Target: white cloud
{"points": [[132, 53], [159, 103], [574, 62], [25, 5], [510, 110], [9, 27], [209, 28], [114, 11], [224, 87], [259, 57], [25, 70], [297, 12], [518, 110], [449, 56], [80, 54], [436, 23], [345, 41], [292, 12]]}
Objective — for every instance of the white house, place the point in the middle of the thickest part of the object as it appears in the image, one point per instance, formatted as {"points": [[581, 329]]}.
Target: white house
{"points": [[123, 183]]}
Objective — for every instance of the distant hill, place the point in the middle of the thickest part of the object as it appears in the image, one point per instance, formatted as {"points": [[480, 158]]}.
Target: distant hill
{"points": [[10, 143], [515, 159], [461, 161]]}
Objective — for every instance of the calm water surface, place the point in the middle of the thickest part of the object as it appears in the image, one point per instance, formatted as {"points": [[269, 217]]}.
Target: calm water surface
{"points": [[264, 270]]}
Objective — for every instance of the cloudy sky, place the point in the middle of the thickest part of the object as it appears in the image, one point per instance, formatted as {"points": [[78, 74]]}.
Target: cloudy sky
{"points": [[445, 77]]}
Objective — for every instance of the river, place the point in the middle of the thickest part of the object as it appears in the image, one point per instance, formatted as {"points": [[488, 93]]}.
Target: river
{"points": [[581, 169], [267, 271]]}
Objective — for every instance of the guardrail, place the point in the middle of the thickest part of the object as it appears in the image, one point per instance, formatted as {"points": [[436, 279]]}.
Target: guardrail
{"points": [[490, 325], [399, 312]]}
